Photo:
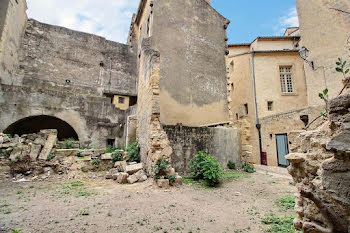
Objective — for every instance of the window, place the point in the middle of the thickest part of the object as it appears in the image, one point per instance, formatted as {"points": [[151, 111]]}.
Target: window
{"points": [[121, 100], [246, 108], [269, 105], [286, 79]]}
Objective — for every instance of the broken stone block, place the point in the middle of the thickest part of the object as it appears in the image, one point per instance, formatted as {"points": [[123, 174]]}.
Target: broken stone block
{"points": [[178, 180], [143, 178], [163, 183], [107, 156], [132, 179], [49, 144], [115, 176], [108, 175], [122, 178], [295, 158], [140, 173], [67, 152], [16, 154], [39, 141], [120, 165], [34, 152], [8, 145], [1, 139], [131, 169], [132, 163], [113, 171]]}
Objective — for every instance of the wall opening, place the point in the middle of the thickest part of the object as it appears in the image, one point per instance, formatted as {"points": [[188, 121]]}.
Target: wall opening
{"points": [[34, 124]]}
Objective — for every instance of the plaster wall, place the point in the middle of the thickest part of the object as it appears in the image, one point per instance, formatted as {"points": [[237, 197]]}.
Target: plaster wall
{"points": [[268, 82], [190, 37], [13, 19], [274, 44], [122, 103], [325, 31]]}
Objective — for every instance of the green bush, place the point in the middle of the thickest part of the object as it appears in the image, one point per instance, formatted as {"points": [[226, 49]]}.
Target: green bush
{"points": [[5, 153], [80, 155], [133, 152], [171, 178], [248, 168], [111, 149], [205, 167], [117, 156], [160, 168], [231, 165]]}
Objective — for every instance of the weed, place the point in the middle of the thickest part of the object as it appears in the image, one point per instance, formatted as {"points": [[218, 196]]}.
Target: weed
{"points": [[109, 214], [4, 204], [68, 143], [285, 202], [133, 152], [7, 210], [233, 175], [278, 225], [79, 155], [231, 165], [248, 168], [50, 157], [83, 193], [160, 168], [76, 183], [95, 162], [111, 149], [20, 191], [84, 212], [117, 156], [15, 231], [171, 178]]}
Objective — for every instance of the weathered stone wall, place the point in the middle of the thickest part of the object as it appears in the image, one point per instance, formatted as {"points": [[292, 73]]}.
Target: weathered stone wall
{"points": [[220, 142], [320, 165], [190, 36], [13, 19], [325, 31], [54, 54], [94, 118]]}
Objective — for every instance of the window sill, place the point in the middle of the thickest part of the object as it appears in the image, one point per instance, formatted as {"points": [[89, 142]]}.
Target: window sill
{"points": [[289, 94]]}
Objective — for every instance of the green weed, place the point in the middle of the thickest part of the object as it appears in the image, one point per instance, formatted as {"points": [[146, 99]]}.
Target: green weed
{"points": [[285, 202]]}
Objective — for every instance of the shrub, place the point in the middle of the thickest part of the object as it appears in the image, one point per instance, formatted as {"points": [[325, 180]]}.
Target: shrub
{"points": [[80, 155], [111, 149], [117, 156], [133, 152], [171, 178], [67, 143], [248, 168], [231, 165], [206, 168], [286, 202], [160, 168], [5, 153], [95, 162]]}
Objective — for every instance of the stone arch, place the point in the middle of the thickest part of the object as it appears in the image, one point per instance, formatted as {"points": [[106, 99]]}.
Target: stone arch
{"points": [[33, 124]]}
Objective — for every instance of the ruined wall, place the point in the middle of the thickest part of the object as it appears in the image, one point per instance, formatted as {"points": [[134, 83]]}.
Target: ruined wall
{"points": [[325, 31], [284, 123], [220, 142], [320, 166], [94, 118], [53, 55], [13, 19], [190, 36]]}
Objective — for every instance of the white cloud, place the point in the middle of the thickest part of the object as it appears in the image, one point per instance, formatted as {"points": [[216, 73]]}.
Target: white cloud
{"points": [[289, 20], [107, 18]]}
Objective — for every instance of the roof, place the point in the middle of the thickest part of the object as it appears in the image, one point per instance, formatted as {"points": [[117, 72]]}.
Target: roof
{"points": [[266, 38]]}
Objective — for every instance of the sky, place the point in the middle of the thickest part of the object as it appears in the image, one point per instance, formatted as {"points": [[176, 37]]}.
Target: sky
{"points": [[111, 18]]}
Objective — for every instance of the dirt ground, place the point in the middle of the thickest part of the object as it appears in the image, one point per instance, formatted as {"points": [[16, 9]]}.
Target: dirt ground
{"points": [[98, 205]]}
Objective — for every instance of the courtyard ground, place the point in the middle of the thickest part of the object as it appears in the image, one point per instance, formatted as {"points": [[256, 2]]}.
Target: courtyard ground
{"points": [[99, 205]]}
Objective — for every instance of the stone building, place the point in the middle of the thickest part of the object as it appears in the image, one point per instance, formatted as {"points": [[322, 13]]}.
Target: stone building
{"points": [[166, 87]]}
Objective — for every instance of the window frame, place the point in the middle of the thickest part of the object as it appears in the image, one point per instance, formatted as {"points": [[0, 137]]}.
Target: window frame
{"points": [[287, 86]]}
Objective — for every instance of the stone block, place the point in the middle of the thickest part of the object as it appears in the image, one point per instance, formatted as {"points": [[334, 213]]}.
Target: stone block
{"points": [[49, 144], [178, 180], [34, 152], [40, 141], [8, 145], [163, 183], [107, 156], [132, 179], [67, 152], [108, 175], [122, 178], [131, 169], [120, 165], [16, 154], [295, 157], [1, 139], [115, 176], [139, 174], [143, 178]]}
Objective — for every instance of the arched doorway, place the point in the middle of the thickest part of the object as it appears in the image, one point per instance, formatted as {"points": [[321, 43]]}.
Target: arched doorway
{"points": [[34, 124]]}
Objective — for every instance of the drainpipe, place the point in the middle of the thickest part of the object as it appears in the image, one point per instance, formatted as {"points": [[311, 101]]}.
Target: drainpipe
{"points": [[258, 125]]}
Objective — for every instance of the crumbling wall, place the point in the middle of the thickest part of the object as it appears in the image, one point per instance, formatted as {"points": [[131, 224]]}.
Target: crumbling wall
{"points": [[220, 142], [320, 165]]}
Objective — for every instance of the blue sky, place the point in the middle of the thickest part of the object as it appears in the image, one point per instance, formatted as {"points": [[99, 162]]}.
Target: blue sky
{"points": [[111, 18], [253, 18]]}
